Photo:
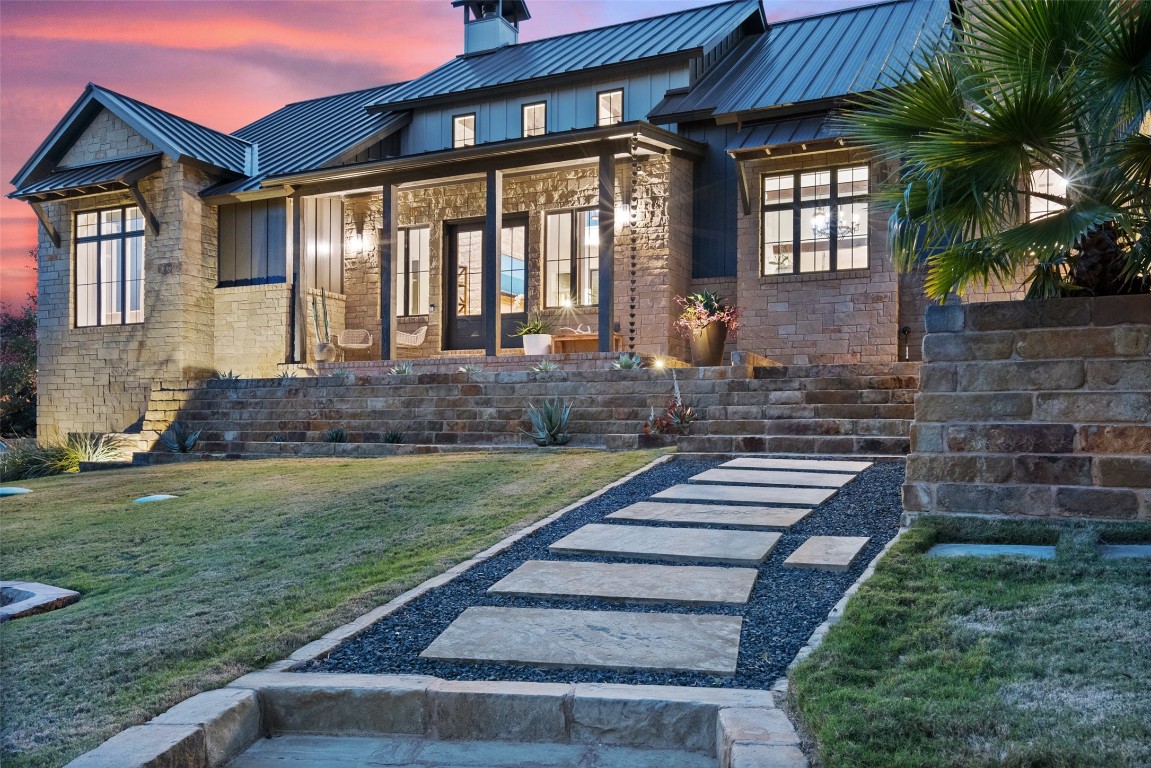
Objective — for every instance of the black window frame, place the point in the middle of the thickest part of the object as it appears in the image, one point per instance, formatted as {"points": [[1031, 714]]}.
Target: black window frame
{"points": [[573, 258], [622, 106], [523, 119], [122, 236], [404, 241], [475, 130], [797, 206]]}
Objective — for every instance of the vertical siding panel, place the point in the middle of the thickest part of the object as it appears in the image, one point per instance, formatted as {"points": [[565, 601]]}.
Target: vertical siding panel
{"points": [[277, 223]]}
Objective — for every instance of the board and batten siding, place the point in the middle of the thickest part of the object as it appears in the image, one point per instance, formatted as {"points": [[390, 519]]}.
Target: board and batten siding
{"points": [[569, 107], [253, 243], [323, 236], [716, 201]]}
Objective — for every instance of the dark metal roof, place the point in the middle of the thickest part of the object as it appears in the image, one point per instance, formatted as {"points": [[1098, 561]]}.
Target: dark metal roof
{"points": [[89, 179], [635, 40], [794, 131], [827, 56], [310, 134]]}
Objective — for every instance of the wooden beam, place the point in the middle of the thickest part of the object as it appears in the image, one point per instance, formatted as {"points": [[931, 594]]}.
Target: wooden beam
{"points": [[490, 277], [606, 249], [388, 240], [150, 221], [46, 223], [744, 188]]}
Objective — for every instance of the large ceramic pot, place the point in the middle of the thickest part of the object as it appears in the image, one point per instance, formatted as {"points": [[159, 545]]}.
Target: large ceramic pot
{"points": [[707, 345], [325, 352], [537, 343]]}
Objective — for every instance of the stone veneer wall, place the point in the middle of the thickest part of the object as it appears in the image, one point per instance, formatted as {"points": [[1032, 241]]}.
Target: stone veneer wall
{"points": [[107, 137], [1034, 408], [99, 379], [251, 328], [662, 248], [913, 304]]}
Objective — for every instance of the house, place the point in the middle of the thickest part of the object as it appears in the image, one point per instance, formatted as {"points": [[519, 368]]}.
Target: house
{"points": [[595, 176]]}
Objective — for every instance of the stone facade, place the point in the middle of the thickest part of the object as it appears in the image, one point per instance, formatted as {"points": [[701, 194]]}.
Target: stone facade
{"points": [[250, 323], [106, 138], [1035, 408]]}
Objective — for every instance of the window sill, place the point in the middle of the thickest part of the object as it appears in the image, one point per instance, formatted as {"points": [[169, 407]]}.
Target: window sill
{"points": [[804, 277], [94, 329]]}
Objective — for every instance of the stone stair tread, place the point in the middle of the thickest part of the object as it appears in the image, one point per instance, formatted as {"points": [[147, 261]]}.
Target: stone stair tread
{"points": [[811, 465], [594, 639], [773, 477], [643, 542], [827, 553], [746, 494], [685, 584], [711, 514]]}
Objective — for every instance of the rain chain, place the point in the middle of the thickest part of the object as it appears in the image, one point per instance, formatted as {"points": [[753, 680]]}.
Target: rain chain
{"points": [[632, 217]]}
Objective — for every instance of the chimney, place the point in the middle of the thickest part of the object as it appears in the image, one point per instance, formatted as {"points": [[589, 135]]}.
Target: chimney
{"points": [[491, 24]]}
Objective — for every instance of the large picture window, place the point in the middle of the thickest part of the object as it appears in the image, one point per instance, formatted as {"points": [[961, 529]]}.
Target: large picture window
{"points": [[412, 272], [819, 216], [109, 267], [571, 259], [1047, 182]]}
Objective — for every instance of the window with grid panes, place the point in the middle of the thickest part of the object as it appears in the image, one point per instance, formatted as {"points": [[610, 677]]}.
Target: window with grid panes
{"points": [[109, 266], [815, 221]]}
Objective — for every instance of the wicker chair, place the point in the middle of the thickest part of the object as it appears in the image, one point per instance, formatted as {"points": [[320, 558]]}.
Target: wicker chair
{"points": [[412, 339], [354, 338]]}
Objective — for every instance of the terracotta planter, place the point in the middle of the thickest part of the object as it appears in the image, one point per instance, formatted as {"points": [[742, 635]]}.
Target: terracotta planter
{"points": [[537, 343], [707, 345], [325, 352]]}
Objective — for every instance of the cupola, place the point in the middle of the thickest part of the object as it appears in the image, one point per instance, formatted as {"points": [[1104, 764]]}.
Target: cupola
{"points": [[491, 24]]}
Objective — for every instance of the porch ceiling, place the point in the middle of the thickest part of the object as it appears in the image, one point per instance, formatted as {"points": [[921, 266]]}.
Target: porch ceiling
{"points": [[508, 156]]}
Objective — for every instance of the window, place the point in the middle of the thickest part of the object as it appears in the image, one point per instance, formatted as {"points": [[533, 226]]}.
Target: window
{"points": [[412, 272], [1047, 182], [109, 267], [610, 107], [513, 268], [535, 119], [825, 223], [464, 130], [571, 259]]}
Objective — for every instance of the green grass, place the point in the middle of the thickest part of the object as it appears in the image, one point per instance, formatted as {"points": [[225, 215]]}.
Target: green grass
{"points": [[968, 662], [255, 559]]}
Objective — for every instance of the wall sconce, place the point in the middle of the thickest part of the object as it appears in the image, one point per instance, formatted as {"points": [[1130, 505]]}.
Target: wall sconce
{"points": [[358, 242]]}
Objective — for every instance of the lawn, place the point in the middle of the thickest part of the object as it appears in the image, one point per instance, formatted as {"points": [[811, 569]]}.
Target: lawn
{"points": [[255, 559], [970, 662]]}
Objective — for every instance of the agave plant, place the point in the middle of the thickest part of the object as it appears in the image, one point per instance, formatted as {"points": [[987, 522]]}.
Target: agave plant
{"points": [[403, 368], [286, 375], [469, 368], [546, 365], [229, 376], [1024, 150], [392, 436], [177, 438], [336, 435], [549, 422], [628, 361]]}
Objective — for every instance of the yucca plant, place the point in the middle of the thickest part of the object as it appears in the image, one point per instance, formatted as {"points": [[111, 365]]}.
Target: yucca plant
{"points": [[627, 362], [403, 368], [177, 438], [545, 365], [549, 423], [62, 456], [336, 435], [392, 436], [1024, 150]]}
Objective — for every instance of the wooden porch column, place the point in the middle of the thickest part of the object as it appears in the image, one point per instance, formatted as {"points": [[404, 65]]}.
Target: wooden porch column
{"points": [[606, 248], [490, 281], [388, 247]]}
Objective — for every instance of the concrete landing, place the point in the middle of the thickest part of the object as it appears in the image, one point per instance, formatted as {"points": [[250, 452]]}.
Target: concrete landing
{"points": [[644, 542], [711, 514], [701, 492], [685, 584], [597, 639], [770, 477], [827, 553], [340, 751], [812, 465]]}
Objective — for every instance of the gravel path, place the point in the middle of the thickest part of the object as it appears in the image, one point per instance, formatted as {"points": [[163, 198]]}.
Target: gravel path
{"points": [[786, 605]]}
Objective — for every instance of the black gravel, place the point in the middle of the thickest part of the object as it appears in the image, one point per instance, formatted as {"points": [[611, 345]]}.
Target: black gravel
{"points": [[786, 605]]}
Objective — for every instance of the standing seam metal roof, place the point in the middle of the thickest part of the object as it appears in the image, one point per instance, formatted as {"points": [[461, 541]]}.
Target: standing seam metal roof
{"points": [[819, 57], [630, 41]]}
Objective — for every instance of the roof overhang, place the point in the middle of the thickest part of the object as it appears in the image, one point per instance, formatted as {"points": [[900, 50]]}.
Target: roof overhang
{"points": [[503, 155], [93, 179]]}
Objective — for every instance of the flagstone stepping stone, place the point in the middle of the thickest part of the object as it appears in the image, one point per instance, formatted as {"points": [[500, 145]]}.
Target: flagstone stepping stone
{"points": [[992, 550], [643, 542], [1116, 551], [748, 495], [711, 514], [813, 465], [691, 585], [767, 477], [827, 553], [154, 497], [598, 639], [12, 490]]}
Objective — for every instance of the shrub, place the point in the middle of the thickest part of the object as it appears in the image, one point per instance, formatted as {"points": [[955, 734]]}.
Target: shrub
{"points": [[677, 417], [549, 423], [178, 439], [336, 435], [28, 460], [393, 436]]}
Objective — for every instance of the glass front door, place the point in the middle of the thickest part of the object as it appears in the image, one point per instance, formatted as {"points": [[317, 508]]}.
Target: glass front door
{"points": [[463, 310]]}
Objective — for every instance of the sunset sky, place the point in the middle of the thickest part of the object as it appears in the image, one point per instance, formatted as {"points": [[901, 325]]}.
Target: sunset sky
{"points": [[224, 64]]}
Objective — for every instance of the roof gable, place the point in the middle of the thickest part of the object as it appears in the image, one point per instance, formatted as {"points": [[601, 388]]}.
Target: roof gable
{"points": [[175, 136]]}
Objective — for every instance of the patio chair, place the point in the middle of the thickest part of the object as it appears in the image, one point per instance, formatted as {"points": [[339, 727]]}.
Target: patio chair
{"points": [[412, 339], [353, 338]]}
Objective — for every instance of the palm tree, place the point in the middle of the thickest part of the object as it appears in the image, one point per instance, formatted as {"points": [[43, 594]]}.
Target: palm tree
{"points": [[1023, 149]]}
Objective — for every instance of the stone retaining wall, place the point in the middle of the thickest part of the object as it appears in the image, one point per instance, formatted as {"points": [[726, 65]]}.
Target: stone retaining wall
{"points": [[1035, 408]]}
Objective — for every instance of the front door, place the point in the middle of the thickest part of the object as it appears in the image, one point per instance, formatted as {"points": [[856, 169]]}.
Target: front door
{"points": [[463, 309]]}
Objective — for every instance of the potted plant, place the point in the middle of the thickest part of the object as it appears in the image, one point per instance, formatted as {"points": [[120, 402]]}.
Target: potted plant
{"points": [[325, 349], [536, 332], [706, 321]]}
